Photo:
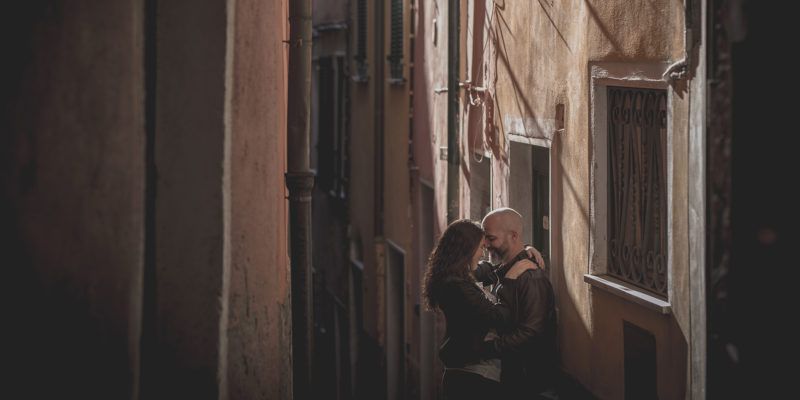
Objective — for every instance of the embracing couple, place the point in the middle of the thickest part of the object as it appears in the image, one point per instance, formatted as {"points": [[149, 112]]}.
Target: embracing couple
{"points": [[500, 340]]}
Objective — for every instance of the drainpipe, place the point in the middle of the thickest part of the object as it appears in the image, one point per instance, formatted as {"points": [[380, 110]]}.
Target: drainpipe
{"points": [[679, 69], [380, 81], [300, 181], [453, 156]]}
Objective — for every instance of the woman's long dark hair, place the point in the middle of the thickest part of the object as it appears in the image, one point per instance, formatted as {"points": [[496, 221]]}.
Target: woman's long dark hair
{"points": [[451, 257]]}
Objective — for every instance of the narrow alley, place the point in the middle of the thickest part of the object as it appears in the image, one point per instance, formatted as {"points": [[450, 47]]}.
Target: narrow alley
{"points": [[240, 199]]}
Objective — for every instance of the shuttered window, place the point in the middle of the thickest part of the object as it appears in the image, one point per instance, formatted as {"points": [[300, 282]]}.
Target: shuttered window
{"points": [[332, 164], [361, 42], [396, 44]]}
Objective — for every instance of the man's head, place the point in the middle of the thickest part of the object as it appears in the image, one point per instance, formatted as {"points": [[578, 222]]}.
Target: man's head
{"points": [[503, 228]]}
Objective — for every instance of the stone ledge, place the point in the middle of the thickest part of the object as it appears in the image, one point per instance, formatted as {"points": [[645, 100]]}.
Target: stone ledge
{"points": [[616, 287]]}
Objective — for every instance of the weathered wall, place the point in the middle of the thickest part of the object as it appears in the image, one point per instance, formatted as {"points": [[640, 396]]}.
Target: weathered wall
{"points": [[429, 133], [259, 321], [430, 108], [540, 58], [222, 282], [191, 215], [327, 12], [72, 155], [396, 139], [97, 100], [362, 170]]}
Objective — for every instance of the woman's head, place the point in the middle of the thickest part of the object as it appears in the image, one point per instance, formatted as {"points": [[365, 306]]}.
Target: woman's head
{"points": [[455, 254]]}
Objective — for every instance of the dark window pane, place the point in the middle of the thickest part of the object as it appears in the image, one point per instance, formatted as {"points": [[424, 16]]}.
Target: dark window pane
{"points": [[396, 45], [325, 144]]}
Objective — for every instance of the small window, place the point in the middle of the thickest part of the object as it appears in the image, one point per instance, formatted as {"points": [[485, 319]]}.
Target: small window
{"points": [[361, 42], [396, 44], [332, 166]]}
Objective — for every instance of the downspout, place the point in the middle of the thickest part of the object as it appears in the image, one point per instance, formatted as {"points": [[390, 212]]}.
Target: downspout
{"points": [[453, 155], [413, 168], [380, 81], [300, 181], [680, 68]]}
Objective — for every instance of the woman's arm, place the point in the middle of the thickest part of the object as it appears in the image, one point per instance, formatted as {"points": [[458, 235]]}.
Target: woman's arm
{"points": [[467, 297]]}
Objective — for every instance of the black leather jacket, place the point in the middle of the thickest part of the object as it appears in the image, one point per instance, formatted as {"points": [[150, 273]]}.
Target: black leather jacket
{"points": [[528, 346], [469, 316]]}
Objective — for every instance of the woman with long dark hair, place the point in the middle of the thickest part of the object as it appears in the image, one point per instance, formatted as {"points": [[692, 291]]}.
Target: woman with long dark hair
{"points": [[471, 313]]}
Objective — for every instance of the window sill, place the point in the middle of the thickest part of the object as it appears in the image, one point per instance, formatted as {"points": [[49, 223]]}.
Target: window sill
{"points": [[616, 287]]}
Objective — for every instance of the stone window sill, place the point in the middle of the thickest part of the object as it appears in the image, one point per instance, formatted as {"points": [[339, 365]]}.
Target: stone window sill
{"points": [[616, 287]]}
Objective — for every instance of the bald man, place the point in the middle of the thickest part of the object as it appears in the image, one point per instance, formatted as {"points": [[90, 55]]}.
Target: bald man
{"points": [[527, 347]]}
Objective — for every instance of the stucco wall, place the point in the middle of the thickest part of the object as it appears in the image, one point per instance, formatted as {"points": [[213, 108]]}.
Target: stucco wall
{"points": [[190, 206], [259, 322], [430, 132], [222, 281], [328, 12], [362, 170], [97, 96], [430, 107], [540, 58], [396, 137]]}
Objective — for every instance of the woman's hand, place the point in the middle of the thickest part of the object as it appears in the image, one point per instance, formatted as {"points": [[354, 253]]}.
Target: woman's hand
{"points": [[535, 254], [520, 267]]}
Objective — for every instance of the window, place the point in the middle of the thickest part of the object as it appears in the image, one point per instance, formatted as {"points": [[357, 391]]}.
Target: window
{"points": [[396, 43], [361, 41], [332, 125], [630, 249], [637, 195]]}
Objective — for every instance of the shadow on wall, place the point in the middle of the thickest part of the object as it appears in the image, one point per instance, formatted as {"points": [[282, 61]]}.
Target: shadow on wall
{"points": [[573, 332], [56, 342]]}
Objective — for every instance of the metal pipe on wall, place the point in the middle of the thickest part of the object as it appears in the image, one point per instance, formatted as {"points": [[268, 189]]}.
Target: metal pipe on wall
{"points": [[379, 83], [453, 154], [300, 181]]}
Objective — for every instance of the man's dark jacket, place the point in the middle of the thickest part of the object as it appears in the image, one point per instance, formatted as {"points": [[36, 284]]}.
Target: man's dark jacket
{"points": [[528, 346]]}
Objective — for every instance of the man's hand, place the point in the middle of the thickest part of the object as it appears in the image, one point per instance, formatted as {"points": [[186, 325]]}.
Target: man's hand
{"points": [[533, 253]]}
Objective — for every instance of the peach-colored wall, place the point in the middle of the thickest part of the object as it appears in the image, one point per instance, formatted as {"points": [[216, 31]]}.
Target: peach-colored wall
{"points": [[430, 130], [396, 137], [224, 314], [259, 325], [396, 189], [326, 11], [362, 170], [430, 107], [539, 57]]}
